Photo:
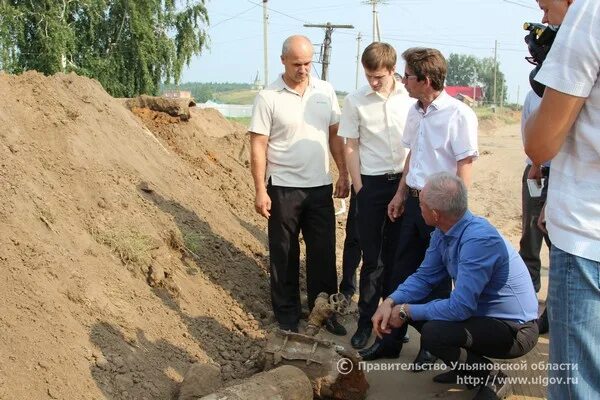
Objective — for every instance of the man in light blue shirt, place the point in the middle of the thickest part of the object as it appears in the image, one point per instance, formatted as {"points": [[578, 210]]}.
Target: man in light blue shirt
{"points": [[492, 310]]}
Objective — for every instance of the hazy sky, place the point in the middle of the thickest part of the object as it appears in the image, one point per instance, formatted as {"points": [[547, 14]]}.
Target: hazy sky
{"points": [[453, 26]]}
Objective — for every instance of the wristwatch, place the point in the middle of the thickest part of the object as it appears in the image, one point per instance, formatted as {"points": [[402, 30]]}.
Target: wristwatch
{"points": [[402, 313]]}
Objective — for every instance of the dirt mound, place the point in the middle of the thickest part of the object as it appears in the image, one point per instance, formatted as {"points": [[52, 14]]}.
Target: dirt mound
{"points": [[129, 248]]}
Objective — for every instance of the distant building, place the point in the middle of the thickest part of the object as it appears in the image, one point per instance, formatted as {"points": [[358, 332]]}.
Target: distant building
{"points": [[466, 99], [467, 94], [178, 94]]}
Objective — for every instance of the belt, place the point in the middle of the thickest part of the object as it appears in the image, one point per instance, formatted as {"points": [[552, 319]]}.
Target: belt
{"points": [[393, 176], [545, 171], [413, 192]]}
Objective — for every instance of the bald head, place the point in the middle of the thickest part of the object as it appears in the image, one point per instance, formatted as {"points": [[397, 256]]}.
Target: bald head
{"points": [[296, 43], [296, 57]]}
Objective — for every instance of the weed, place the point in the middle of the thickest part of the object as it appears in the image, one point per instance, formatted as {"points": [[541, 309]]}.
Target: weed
{"points": [[130, 246], [193, 241]]}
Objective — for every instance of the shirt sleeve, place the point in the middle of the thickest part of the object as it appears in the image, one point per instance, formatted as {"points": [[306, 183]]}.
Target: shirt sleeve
{"points": [[411, 129], [464, 143], [335, 108], [418, 286], [262, 116], [349, 121], [526, 112], [477, 259], [573, 63]]}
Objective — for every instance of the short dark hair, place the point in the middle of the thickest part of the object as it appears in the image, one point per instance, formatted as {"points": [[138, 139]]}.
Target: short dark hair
{"points": [[379, 55], [425, 62]]}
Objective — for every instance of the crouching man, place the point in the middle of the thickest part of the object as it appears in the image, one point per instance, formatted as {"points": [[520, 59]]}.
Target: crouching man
{"points": [[492, 310]]}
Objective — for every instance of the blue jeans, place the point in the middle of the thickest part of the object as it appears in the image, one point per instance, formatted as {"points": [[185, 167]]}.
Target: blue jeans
{"points": [[574, 316]]}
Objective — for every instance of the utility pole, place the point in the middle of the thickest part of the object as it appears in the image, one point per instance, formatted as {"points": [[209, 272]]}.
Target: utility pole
{"points": [[518, 93], [495, 67], [376, 33], [358, 38], [327, 43], [265, 41]]}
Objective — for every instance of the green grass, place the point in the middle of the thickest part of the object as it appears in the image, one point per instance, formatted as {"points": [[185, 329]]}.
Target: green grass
{"points": [[130, 246], [240, 120], [506, 115], [236, 96], [193, 241]]}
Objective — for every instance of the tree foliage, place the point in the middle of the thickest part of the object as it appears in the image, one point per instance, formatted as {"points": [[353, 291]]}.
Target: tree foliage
{"points": [[130, 46], [462, 70], [468, 70]]}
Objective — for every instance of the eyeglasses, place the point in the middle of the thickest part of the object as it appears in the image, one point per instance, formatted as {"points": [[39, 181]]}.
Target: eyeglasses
{"points": [[407, 76]]}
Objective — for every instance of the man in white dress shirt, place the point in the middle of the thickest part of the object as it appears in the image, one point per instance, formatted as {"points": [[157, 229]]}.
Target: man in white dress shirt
{"points": [[441, 135], [372, 122]]}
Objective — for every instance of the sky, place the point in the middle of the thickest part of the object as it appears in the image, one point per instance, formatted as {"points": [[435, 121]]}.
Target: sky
{"points": [[235, 52]]}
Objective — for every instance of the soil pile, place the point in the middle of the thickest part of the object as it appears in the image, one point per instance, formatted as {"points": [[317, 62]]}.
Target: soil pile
{"points": [[129, 245], [129, 248]]}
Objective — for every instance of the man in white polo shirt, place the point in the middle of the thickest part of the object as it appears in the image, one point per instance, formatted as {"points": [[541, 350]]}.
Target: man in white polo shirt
{"points": [[293, 127], [372, 122], [441, 135], [565, 128]]}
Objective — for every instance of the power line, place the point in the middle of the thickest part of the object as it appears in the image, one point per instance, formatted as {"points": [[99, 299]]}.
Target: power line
{"points": [[278, 12], [232, 17], [520, 4], [329, 27]]}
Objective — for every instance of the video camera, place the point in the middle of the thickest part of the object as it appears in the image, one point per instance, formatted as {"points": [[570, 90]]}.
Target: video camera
{"points": [[544, 34], [539, 40]]}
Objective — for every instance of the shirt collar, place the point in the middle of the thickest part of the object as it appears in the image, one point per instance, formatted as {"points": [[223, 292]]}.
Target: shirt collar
{"points": [[440, 102], [458, 227], [398, 89], [280, 84]]}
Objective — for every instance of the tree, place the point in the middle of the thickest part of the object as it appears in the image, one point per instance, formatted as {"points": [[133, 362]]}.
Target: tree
{"points": [[462, 70], [485, 72], [130, 46], [467, 70]]}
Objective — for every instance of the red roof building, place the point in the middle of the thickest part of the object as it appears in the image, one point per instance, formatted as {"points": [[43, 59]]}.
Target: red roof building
{"points": [[475, 93]]}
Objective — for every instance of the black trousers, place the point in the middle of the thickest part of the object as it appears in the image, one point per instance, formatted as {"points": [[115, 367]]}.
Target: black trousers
{"points": [[352, 252], [310, 211], [407, 253], [371, 202], [530, 244], [480, 337]]}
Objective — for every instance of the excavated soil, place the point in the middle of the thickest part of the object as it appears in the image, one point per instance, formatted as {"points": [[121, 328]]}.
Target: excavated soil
{"points": [[129, 247]]}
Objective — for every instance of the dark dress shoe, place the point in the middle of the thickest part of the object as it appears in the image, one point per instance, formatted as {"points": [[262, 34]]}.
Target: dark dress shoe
{"points": [[378, 350], [542, 322], [497, 387], [360, 337], [333, 326], [447, 377], [452, 376], [424, 361]]}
